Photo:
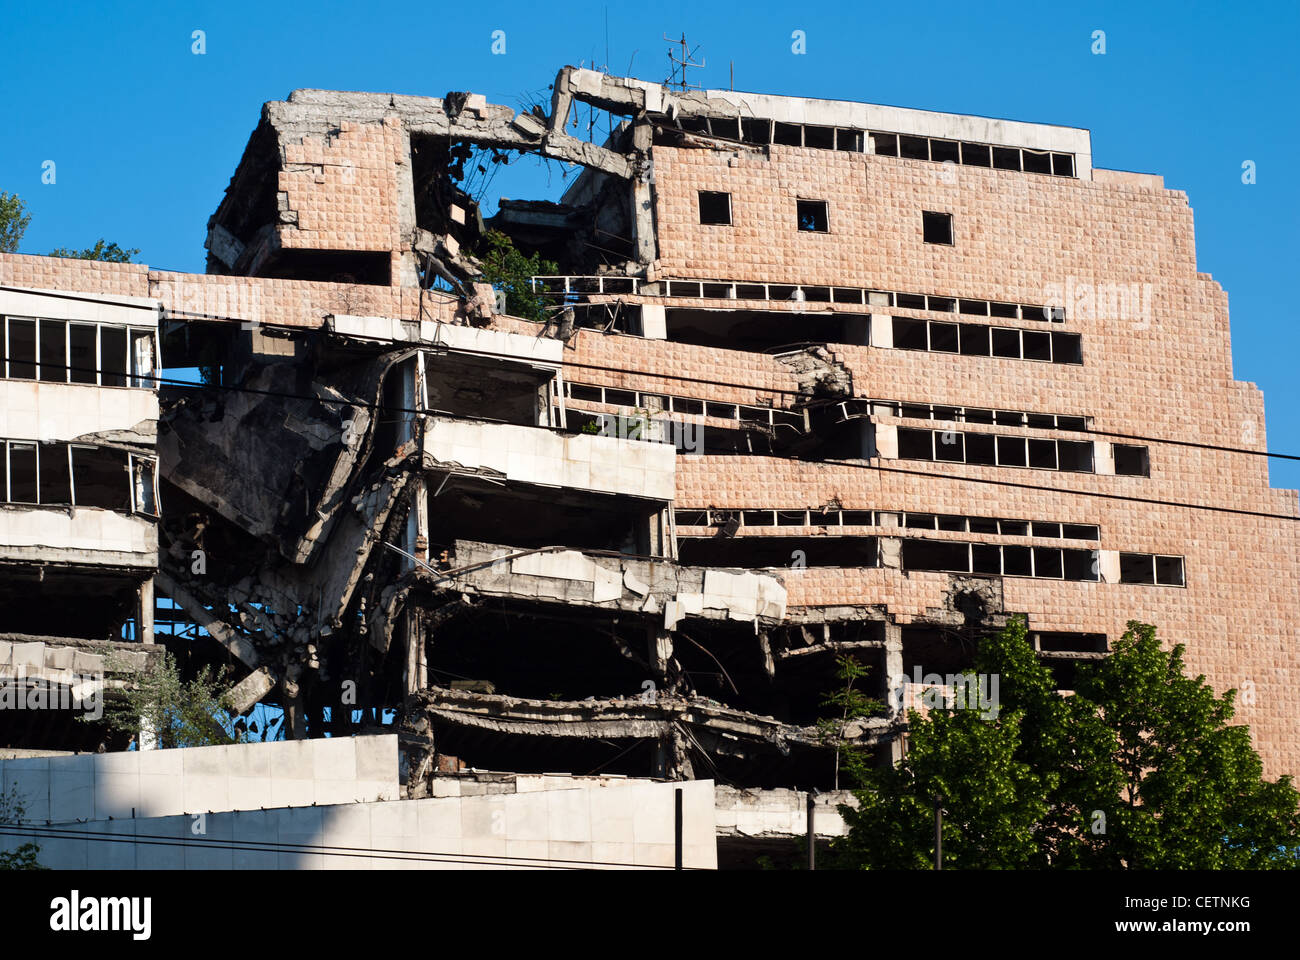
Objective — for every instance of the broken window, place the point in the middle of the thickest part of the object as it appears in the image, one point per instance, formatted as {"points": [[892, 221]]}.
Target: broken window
{"points": [[1132, 461], [1071, 423], [936, 227], [910, 301], [755, 131], [849, 141], [112, 356], [142, 481], [1012, 452], [812, 216], [1036, 162], [1006, 343], [1081, 531], [914, 148], [948, 446], [1042, 454], [910, 334], [1063, 164], [986, 558], [976, 308], [975, 154], [1008, 310], [22, 473], [99, 478], [142, 358], [1014, 528], [1137, 568], [1169, 571], [20, 353], [1006, 158], [939, 555], [715, 208], [1067, 348], [979, 449], [82, 338], [885, 144], [1047, 562], [944, 151], [54, 484], [788, 134], [1017, 562], [943, 337], [915, 444], [974, 340], [1037, 346], [821, 137], [54, 351], [1075, 455], [1081, 565]]}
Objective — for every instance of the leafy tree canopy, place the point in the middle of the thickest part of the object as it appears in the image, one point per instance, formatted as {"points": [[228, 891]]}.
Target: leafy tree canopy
{"points": [[1140, 769]]}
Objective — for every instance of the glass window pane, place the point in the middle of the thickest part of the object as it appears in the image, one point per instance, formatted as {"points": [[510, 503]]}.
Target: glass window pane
{"points": [[54, 351], [21, 352]]}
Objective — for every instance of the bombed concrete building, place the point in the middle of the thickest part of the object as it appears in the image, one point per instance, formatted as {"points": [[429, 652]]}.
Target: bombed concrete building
{"points": [[810, 378]]}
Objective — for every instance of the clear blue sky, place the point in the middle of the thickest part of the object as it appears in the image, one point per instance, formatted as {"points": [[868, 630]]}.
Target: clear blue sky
{"points": [[146, 134]]}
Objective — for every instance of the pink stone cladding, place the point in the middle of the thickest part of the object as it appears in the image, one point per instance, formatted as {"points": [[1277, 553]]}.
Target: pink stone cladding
{"points": [[1163, 374]]}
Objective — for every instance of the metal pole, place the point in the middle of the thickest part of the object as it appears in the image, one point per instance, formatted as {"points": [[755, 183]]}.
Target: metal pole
{"points": [[678, 829], [938, 835], [812, 833]]}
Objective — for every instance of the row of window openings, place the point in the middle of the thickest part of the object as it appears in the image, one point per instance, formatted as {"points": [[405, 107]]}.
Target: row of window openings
{"points": [[63, 474], [731, 290], [734, 411], [977, 340], [935, 149], [990, 450], [888, 518], [1007, 560], [1053, 563], [668, 404], [813, 216], [60, 351], [1003, 418]]}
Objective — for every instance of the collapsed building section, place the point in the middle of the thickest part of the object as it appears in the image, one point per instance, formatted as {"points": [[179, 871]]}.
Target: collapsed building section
{"points": [[788, 396]]}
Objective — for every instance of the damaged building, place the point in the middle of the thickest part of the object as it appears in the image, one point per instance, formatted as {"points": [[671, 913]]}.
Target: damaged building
{"points": [[813, 379]]}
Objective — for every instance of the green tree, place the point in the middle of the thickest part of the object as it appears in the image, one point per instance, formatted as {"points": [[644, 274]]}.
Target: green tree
{"points": [[850, 705], [22, 857], [1139, 769], [13, 222], [177, 713], [508, 270], [102, 250]]}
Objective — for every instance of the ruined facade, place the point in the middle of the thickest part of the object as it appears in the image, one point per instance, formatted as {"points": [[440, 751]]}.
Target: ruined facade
{"points": [[813, 378]]}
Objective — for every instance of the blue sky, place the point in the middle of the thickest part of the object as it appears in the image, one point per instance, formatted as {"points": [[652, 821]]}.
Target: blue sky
{"points": [[145, 134]]}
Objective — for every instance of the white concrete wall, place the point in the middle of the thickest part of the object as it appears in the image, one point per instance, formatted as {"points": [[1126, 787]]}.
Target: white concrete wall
{"points": [[32, 410], [528, 349], [53, 533], [159, 783], [584, 826], [779, 813], [538, 456], [871, 116]]}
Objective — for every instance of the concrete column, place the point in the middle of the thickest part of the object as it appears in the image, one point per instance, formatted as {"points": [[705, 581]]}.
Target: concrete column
{"points": [[894, 681], [643, 222], [144, 612]]}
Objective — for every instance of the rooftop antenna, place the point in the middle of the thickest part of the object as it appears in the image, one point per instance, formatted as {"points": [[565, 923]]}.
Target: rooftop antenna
{"points": [[681, 63]]}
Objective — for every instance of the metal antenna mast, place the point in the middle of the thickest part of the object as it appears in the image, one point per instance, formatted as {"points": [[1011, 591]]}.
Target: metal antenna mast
{"points": [[682, 62]]}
